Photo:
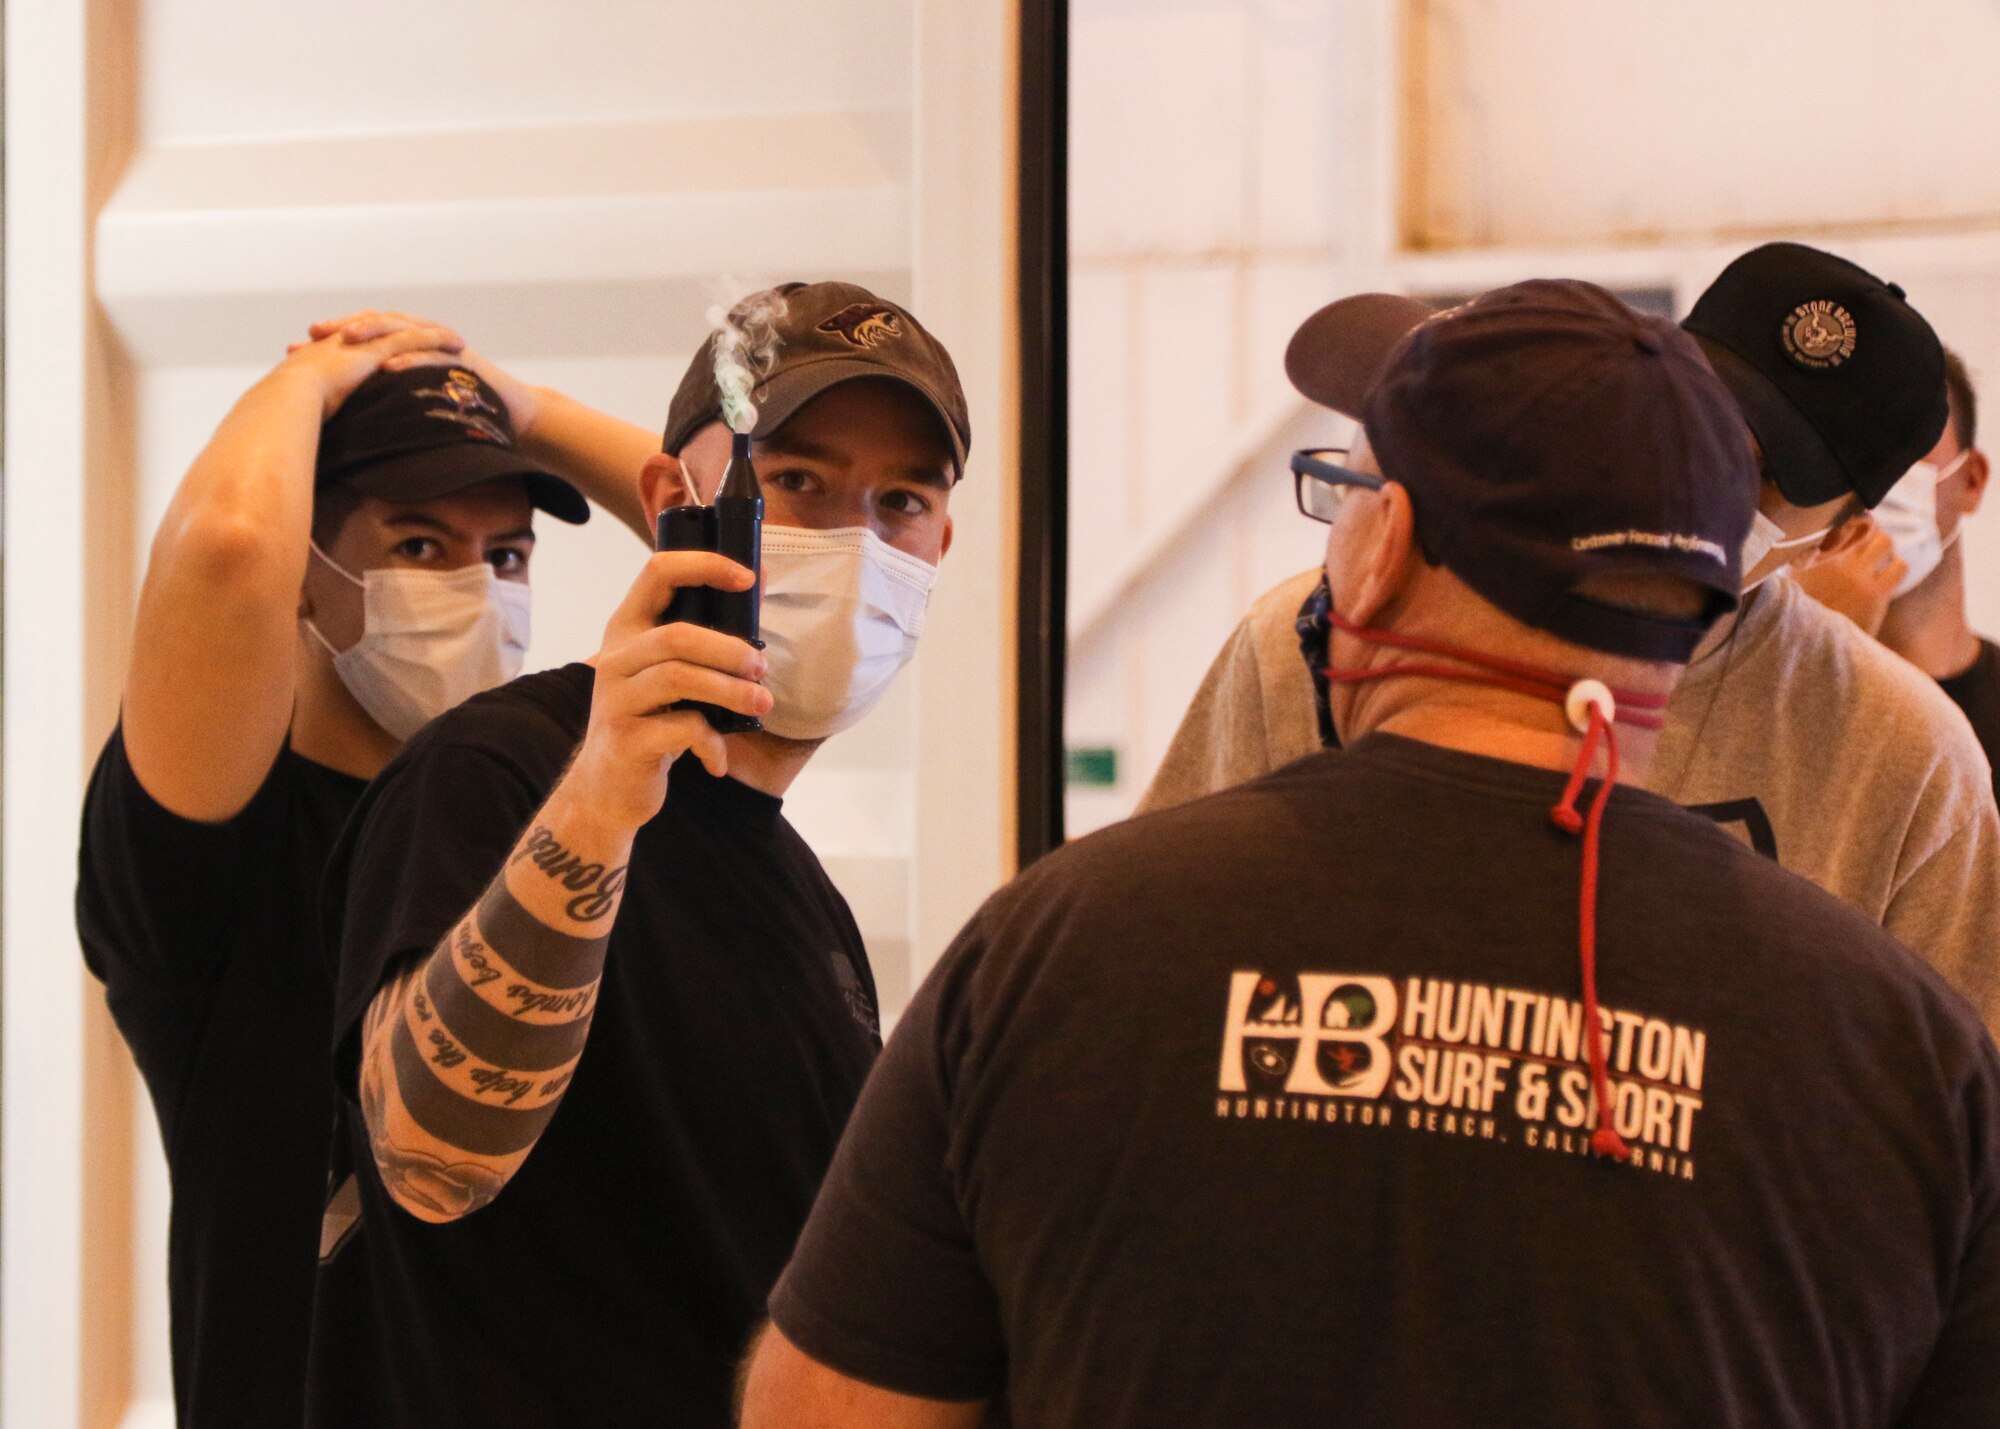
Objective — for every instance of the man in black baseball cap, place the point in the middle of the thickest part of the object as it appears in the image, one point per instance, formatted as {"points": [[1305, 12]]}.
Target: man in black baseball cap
{"points": [[347, 557], [1327, 1097], [590, 1096], [1792, 728]]}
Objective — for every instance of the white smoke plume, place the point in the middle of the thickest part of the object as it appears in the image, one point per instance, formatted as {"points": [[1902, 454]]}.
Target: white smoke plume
{"points": [[746, 339]]}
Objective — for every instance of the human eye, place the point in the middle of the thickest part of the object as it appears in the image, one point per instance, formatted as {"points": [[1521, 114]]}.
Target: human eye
{"points": [[508, 560], [791, 478], [907, 502], [420, 549]]}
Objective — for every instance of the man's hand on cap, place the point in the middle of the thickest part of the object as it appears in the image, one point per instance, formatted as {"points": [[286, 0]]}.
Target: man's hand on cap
{"points": [[337, 365], [523, 401]]}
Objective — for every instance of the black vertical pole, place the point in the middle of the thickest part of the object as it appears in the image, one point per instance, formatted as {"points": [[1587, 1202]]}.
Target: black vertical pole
{"points": [[1040, 649]]}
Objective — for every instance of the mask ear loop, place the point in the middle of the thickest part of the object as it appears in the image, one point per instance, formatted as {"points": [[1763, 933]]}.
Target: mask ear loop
{"points": [[341, 571], [335, 566], [1592, 709]]}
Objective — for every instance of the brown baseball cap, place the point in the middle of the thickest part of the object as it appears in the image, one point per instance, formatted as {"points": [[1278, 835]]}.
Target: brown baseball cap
{"points": [[827, 334]]}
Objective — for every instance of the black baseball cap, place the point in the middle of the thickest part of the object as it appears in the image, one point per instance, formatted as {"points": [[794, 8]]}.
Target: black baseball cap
{"points": [[1841, 380], [1548, 434], [430, 431], [828, 333]]}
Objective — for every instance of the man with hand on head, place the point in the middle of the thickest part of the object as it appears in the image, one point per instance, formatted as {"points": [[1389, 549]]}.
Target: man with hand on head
{"points": [[1326, 1091], [1792, 728], [347, 557], [602, 1016], [1924, 616]]}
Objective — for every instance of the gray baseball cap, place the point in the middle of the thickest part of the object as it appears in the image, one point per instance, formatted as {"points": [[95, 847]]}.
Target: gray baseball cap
{"points": [[829, 333]]}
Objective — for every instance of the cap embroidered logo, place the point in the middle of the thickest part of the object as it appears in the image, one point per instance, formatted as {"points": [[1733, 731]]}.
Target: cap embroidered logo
{"points": [[864, 324], [461, 390], [1819, 334]]}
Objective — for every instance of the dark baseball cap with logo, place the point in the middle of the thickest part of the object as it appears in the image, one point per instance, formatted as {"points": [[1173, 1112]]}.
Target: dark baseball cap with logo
{"points": [[429, 431], [1547, 435], [1841, 380], [827, 334]]}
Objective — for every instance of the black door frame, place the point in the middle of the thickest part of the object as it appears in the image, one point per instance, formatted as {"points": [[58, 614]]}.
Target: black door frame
{"points": [[1040, 647]]}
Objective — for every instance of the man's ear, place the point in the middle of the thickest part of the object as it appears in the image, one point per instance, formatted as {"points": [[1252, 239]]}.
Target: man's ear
{"points": [[661, 484], [944, 547], [1976, 470], [1383, 545]]}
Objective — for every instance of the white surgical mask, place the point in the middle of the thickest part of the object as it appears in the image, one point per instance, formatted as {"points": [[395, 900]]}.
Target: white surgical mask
{"points": [[1908, 514], [1767, 536], [842, 612], [429, 639]]}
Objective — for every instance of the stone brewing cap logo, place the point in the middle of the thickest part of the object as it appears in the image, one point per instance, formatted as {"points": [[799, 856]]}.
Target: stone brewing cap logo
{"points": [[1819, 334], [864, 324]]}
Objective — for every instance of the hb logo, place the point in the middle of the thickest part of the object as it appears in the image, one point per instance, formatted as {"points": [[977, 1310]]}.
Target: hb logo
{"points": [[1328, 1040]]}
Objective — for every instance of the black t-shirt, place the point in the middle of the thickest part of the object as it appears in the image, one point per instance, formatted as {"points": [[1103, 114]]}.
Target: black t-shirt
{"points": [[1976, 690], [617, 1278], [1270, 1109], [207, 939]]}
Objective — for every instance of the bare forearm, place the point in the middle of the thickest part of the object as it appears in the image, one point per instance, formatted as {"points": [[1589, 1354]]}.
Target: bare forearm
{"points": [[468, 1052], [598, 452]]}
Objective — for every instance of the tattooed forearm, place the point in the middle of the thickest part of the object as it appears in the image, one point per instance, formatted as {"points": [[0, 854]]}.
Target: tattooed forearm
{"points": [[469, 1050], [596, 887], [435, 1186]]}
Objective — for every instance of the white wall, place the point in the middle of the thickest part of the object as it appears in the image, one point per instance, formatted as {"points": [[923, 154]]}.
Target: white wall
{"points": [[1237, 163], [567, 184], [1228, 167], [1570, 121]]}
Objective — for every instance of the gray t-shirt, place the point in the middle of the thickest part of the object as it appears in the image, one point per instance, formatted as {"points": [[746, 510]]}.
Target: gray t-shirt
{"points": [[1811, 741]]}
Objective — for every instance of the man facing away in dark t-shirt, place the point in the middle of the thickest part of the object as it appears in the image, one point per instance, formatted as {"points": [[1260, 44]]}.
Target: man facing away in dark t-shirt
{"points": [[1298, 1104], [347, 556], [1921, 615], [601, 1014]]}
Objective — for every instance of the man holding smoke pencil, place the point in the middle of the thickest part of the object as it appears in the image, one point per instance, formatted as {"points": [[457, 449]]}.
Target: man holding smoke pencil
{"points": [[600, 1014]]}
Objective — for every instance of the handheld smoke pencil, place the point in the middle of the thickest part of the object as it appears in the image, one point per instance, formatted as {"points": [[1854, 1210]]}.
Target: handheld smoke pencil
{"points": [[733, 526]]}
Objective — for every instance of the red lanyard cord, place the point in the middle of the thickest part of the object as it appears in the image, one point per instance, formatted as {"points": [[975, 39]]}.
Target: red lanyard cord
{"points": [[1593, 709]]}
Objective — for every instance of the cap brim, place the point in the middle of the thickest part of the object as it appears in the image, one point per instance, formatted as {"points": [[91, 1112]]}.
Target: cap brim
{"points": [[780, 398], [1796, 457], [1338, 353], [439, 471]]}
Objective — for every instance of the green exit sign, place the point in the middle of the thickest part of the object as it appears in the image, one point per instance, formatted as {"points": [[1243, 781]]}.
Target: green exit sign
{"points": [[1090, 766]]}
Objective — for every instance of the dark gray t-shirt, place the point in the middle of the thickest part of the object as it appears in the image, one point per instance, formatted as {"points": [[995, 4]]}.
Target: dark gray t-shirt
{"points": [[1271, 1109]]}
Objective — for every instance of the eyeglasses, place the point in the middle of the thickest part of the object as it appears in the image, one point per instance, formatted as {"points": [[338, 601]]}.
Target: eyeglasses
{"points": [[1321, 480]]}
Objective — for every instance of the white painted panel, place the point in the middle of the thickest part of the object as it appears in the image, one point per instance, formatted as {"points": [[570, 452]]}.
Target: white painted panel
{"points": [[1572, 120], [217, 69], [1103, 341], [1159, 107], [42, 1050], [1185, 381]]}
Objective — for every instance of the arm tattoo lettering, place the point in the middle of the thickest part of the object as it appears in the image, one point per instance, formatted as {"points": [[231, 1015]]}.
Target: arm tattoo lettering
{"points": [[416, 1178], [475, 1045], [597, 888]]}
